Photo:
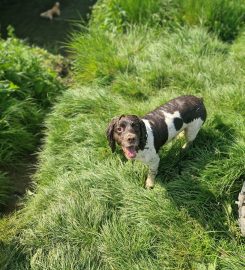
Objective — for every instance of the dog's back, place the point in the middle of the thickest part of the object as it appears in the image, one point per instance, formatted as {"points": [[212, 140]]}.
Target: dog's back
{"points": [[176, 115]]}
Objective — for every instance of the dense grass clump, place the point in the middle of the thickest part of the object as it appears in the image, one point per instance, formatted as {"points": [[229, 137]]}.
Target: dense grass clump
{"points": [[117, 15], [224, 18], [29, 85], [99, 60], [90, 210]]}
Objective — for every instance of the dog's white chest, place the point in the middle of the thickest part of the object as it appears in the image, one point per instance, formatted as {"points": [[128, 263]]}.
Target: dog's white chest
{"points": [[149, 152]]}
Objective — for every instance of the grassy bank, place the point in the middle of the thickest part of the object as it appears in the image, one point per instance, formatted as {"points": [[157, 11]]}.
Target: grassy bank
{"points": [[90, 209]]}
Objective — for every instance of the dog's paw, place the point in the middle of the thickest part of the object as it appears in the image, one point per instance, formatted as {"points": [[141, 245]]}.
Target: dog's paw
{"points": [[186, 146], [149, 183]]}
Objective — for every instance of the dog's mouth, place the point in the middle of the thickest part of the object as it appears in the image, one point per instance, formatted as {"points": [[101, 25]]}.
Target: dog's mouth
{"points": [[129, 152]]}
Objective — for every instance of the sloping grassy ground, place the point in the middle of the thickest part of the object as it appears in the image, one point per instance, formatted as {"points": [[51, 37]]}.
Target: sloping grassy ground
{"points": [[90, 210], [28, 87]]}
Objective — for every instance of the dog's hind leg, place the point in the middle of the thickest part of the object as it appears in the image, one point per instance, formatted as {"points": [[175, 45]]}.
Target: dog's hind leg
{"points": [[191, 132]]}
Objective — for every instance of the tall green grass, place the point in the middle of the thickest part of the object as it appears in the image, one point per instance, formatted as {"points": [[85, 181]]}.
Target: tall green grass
{"points": [[224, 18], [117, 15], [90, 210]]}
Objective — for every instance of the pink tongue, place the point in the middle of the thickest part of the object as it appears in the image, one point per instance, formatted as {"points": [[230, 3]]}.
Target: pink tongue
{"points": [[130, 152]]}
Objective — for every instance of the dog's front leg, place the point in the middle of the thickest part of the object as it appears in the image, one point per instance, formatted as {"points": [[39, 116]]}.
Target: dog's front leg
{"points": [[153, 164]]}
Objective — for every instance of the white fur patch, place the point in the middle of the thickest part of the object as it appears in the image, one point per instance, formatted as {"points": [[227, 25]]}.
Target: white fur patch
{"points": [[169, 120], [149, 151], [192, 129], [149, 155]]}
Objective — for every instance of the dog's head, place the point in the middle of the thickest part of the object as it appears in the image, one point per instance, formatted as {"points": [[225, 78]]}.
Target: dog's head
{"points": [[129, 132]]}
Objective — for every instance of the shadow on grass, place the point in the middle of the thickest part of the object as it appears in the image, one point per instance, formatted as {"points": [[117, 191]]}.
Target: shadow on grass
{"points": [[183, 175], [9, 254], [20, 177]]}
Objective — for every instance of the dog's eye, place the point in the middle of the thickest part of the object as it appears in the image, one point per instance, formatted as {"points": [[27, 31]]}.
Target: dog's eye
{"points": [[119, 129]]}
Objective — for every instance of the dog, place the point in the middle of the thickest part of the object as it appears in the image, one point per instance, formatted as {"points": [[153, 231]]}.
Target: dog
{"points": [[142, 137], [54, 11]]}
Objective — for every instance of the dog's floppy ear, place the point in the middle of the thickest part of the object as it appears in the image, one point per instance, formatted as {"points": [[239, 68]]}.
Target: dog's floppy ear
{"points": [[143, 135], [109, 133]]}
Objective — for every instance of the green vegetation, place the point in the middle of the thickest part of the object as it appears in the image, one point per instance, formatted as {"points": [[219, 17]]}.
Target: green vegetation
{"points": [[225, 18], [89, 209], [28, 87]]}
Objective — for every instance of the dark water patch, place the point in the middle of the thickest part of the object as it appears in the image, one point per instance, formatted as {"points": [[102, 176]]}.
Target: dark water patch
{"points": [[24, 16]]}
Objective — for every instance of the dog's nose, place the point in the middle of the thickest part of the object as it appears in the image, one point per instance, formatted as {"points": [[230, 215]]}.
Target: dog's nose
{"points": [[131, 138]]}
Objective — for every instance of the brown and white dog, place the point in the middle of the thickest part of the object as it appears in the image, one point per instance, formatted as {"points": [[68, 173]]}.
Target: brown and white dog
{"points": [[54, 11], [142, 137]]}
